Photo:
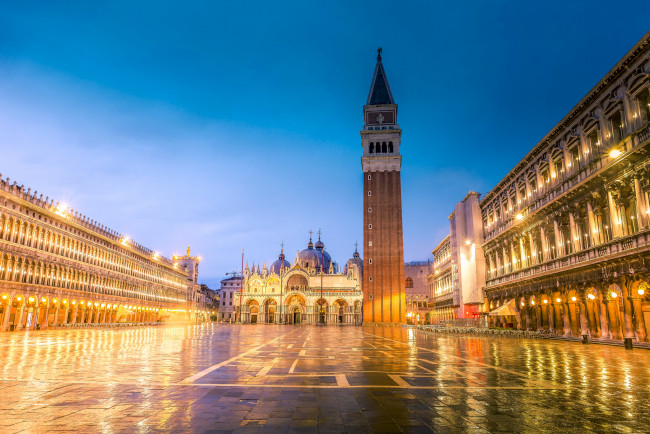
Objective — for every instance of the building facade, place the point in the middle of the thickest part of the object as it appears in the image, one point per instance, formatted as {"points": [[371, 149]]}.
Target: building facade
{"points": [[567, 231], [227, 292], [456, 280], [416, 290], [311, 290], [383, 249], [60, 267]]}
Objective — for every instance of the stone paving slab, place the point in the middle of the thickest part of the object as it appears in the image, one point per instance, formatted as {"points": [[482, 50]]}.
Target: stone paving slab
{"points": [[265, 378]]}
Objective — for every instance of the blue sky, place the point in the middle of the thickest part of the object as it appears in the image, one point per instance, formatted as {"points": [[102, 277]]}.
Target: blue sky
{"points": [[236, 125]]}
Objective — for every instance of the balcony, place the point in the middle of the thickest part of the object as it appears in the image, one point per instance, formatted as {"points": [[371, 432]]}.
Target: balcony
{"points": [[639, 242]]}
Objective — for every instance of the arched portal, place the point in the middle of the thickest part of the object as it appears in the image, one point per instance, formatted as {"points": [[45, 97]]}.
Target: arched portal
{"points": [[253, 309]]}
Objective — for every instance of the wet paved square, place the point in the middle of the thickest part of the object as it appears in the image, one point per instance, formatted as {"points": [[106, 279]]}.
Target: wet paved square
{"points": [[264, 378]]}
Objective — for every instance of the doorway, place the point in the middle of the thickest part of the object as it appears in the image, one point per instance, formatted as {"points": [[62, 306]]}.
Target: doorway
{"points": [[296, 316]]}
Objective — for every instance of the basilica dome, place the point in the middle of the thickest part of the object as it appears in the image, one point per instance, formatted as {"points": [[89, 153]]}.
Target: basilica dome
{"points": [[281, 262], [355, 259], [315, 257]]}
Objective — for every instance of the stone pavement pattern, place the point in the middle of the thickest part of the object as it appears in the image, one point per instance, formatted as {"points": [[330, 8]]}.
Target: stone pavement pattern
{"points": [[264, 378]]}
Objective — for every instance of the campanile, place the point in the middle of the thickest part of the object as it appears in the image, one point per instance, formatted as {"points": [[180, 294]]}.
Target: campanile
{"points": [[383, 245]]}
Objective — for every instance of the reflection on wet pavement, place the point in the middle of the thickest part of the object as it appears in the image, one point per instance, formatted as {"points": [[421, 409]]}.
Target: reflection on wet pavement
{"points": [[258, 378]]}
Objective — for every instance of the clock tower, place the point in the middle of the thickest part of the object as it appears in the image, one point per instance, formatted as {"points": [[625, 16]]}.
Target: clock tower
{"points": [[383, 245]]}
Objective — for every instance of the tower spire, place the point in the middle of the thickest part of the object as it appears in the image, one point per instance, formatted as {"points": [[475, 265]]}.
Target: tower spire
{"points": [[379, 89]]}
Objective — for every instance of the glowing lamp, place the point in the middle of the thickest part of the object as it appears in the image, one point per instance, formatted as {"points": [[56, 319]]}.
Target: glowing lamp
{"points": [[43, 300], [573, 299], [591, 296], [559, 300], [614, 295], [641, 291], [522, 303], [4, 296], [31, 299], [614, 153], [519, 216], [545, 301]]}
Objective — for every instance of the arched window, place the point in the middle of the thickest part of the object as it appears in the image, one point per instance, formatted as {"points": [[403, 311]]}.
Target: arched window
{"points": [[371, 149], [383, 148], [409, 282], [390, 147]]}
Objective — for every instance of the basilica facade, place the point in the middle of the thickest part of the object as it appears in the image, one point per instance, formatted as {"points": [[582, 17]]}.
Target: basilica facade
{"points": [[312, 289]]}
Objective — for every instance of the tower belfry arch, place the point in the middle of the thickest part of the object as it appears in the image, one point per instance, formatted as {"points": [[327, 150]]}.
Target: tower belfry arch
{"points": [[383, 245]]}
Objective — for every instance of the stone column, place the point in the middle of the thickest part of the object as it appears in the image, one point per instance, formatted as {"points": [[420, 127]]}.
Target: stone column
{"points": [[529, 320], [543, 254], [575, 240], [584, 329], [566, 318], [592, 322], [641, 206], [550, 311], [558, 238], [56, 316], [639, 321], [573, 318], [534, 259], [19, 325], [538, 317], [593, 228], [602, 311], [74, 314], [46, 314], [5, 320], [627, 312], [65, 315], [614, 219]]}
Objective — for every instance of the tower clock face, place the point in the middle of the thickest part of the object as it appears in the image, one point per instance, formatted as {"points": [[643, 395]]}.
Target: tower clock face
{"points": [[382, 117]]}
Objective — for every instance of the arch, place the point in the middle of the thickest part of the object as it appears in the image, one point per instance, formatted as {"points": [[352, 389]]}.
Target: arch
{"points": [[297, 280], [371, 148], [384, 148], [408, 283], [390, 147]]}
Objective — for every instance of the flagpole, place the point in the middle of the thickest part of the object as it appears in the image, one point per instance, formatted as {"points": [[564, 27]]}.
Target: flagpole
{"points": [[241, 285]]}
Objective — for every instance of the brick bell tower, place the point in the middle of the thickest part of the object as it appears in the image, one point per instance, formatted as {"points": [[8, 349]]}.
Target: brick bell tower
{"points": [[383, 246]]}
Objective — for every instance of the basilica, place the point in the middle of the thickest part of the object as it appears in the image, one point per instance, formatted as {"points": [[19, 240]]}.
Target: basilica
{"points": [[311, 290]]}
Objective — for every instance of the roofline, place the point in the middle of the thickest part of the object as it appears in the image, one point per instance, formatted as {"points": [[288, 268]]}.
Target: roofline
{"points": [[445, 239], [632, 55]]}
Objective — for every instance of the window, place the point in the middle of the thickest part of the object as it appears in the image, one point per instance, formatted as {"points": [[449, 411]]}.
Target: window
{"points": [[369, 193], [369, 243], [369, 177], [370, 226], [370, 278], [617, 127], [370, 261], [371, 148], [384, 148], [369, 209], [409, 282], [390, 147]]}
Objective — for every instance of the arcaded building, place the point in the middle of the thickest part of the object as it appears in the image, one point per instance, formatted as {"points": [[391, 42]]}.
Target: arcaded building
{"points": [[310, 290], [566, 231], [58, 267]]}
